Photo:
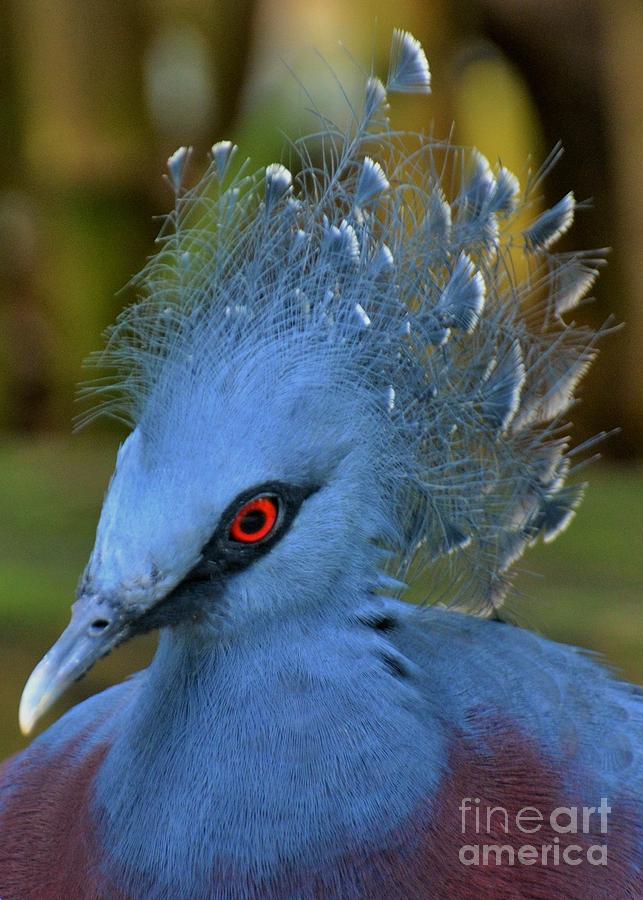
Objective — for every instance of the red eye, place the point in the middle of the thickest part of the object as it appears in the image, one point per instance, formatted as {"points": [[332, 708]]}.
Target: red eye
{"points": [[255, 520]]}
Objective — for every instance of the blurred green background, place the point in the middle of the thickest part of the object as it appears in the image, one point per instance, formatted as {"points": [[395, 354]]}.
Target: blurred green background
{"points": [[95, 94]]}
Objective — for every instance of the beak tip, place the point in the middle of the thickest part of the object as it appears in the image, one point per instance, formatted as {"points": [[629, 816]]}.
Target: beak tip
{"points": [[29, 712], [26, 723], [72, 655], [38, 695]]}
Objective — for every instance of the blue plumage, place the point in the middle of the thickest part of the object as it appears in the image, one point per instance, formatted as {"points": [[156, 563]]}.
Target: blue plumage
{"points": [[334, 381]]}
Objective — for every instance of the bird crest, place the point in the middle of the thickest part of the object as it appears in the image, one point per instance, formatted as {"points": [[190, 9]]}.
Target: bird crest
{"points": [[380, 266]]}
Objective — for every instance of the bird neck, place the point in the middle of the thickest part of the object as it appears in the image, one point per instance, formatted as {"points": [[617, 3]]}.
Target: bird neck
{"points": [[221, 737]]}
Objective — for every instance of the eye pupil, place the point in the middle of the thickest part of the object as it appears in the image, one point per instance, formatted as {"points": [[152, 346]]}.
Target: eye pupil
{"points": [[255, 520]]}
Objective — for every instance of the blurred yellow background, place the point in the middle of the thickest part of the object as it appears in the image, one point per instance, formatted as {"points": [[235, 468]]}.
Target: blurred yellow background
{"points": [[95, 94]]}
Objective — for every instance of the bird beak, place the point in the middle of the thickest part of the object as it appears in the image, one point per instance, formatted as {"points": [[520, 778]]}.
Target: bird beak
{"points": [[95, 628]]}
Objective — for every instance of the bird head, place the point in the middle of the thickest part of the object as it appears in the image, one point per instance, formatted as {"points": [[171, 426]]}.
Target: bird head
{"points": [[326, 368]]}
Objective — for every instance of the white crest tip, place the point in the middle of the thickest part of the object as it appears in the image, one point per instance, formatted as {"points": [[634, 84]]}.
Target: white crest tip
{"points": [[223, 153], [372, 181], [507, 191], [176, 165], [409, 71], [552, 224], [278, 183], [374, 100], [362, 315], [383, 261]]}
